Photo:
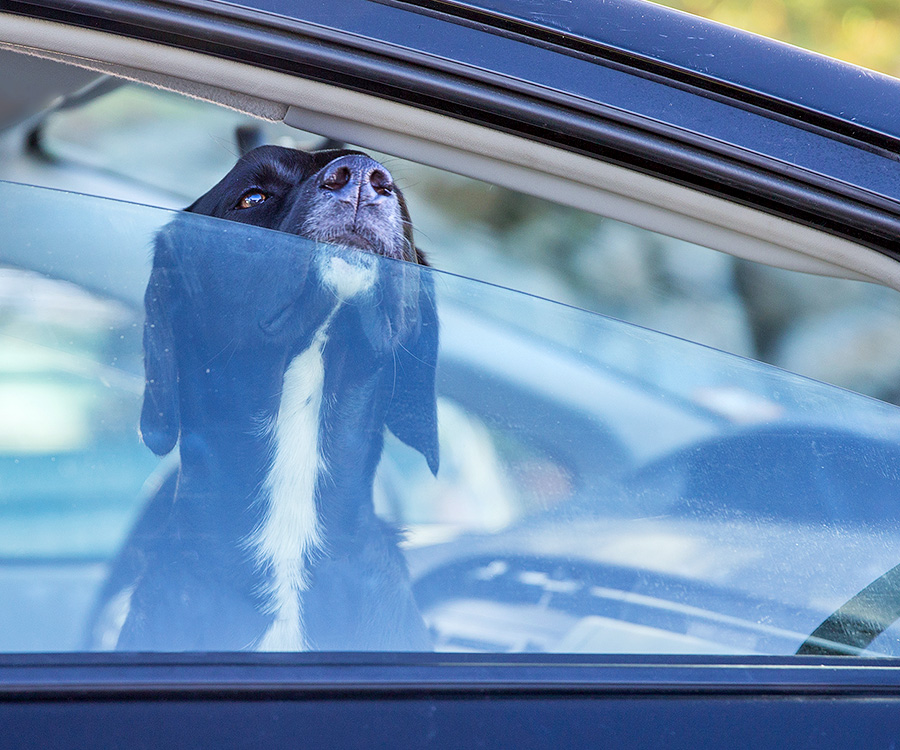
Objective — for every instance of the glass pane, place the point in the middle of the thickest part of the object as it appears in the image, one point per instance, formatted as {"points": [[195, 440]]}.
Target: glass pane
{"points": [[602, 487]]}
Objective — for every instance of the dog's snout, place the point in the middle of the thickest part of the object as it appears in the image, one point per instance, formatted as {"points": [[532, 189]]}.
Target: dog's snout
{"points": [[356, 179], [381, 182], [336, 179]]}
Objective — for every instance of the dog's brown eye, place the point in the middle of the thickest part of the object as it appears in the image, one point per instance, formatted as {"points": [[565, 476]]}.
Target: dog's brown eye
{"points": [[252, 198]]}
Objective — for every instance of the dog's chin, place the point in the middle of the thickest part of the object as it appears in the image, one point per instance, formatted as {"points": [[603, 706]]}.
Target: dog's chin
{"points": [[366, 243], [355, 241]]}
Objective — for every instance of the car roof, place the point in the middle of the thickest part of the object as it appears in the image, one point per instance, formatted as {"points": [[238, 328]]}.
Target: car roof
{"points": [[712, 55], [671, 44]]}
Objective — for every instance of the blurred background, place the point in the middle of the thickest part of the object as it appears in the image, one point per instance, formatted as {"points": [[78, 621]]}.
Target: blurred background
{"points": [[862, 32]]}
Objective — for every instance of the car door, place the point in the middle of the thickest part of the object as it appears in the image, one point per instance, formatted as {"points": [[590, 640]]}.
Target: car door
{"points": [[658, 497]]}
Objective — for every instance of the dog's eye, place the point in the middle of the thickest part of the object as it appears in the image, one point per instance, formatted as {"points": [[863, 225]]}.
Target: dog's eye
{"points": [[252, 198]]}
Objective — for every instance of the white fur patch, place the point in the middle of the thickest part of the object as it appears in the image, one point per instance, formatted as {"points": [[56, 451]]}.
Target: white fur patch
{"points": [[290, 533], [348, 278], [112, 619]]}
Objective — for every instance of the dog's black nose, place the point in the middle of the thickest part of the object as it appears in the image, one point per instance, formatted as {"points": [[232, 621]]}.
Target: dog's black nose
{"points": [[356, 179]]}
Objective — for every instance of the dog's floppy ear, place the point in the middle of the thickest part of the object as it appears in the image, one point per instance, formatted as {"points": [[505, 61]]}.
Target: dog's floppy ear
{"points": [[412, 252], [160, 421], [412, 412]]}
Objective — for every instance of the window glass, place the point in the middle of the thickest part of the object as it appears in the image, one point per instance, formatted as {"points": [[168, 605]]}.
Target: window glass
{"points": [[834, 330], [602, 488]]}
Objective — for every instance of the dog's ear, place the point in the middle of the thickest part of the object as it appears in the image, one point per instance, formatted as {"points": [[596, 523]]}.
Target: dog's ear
{"points": [[412, 252], [412, 412], [160, 421]]}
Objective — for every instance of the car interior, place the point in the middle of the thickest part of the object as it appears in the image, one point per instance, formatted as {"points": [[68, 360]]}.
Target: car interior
{"points": [[621, 472]]}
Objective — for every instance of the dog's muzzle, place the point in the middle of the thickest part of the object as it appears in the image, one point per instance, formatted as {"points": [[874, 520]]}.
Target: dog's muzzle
{"points": [[354, 204]]}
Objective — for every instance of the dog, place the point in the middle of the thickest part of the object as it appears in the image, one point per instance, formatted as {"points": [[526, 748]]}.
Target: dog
{"points": [[275, 366]]}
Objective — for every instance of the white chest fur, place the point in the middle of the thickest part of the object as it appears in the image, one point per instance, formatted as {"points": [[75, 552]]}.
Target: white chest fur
{"points": [[290, 533]]}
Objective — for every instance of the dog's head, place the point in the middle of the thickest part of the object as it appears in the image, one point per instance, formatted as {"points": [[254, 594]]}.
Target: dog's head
{"points": [[216, 295], [337, 196]]}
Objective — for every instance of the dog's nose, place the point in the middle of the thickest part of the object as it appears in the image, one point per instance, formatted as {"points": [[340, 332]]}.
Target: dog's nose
{"points": [[357, 179]]}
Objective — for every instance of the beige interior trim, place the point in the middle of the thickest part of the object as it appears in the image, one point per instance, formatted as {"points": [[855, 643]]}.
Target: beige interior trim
{"points": [[461, 147]]}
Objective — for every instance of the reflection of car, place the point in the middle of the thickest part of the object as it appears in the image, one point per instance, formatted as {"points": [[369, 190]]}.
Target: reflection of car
{"points": [[683, 519]]}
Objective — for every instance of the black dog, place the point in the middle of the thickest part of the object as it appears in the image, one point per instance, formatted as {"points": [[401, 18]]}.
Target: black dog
{"points": [[276, 365]]}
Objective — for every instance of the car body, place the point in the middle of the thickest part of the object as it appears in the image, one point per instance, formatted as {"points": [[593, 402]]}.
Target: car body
{"points": [[637, 525]]}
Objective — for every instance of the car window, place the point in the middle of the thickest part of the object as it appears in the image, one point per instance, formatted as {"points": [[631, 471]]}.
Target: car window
{"points": [[603, 487], [835, 330]]}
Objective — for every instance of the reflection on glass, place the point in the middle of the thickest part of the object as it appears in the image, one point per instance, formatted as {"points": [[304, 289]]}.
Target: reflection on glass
{"points": [[603, 489]]}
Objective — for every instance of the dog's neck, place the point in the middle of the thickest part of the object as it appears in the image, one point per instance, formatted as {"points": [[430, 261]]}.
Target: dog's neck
{"points": [[293, 467], [314, 490], [290, 532]]}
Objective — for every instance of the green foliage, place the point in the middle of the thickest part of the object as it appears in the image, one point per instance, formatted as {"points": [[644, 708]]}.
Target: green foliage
{"points": [[863, 32]]}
